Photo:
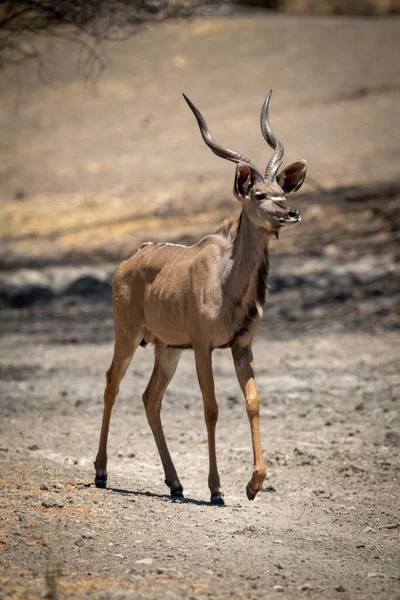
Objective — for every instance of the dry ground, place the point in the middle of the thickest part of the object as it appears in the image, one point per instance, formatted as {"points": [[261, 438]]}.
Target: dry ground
{"points": [[326, 524]]}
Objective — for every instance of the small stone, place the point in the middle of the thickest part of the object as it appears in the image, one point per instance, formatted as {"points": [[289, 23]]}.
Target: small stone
{"points": [[58, 486], [391, 526], [144, 561], [340, 588], [44, 487], [392, 438], [375, 575], [50, 504], [33, 447], [278, 588], [161, 570], [319, 492], [305, 587], [368, 530]]}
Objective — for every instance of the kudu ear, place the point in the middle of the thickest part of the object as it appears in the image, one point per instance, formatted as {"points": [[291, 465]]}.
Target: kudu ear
{"points": [[291, 179], [243, 182]]}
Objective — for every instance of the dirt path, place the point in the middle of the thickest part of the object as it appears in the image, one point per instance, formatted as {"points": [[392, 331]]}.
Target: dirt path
{"points": [[326, 524]]}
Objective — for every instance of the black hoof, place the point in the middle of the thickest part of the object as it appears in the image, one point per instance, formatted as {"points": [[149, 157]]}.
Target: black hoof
{"points": [[101, 481], [177, 494], [250, 494], [217, 500]]}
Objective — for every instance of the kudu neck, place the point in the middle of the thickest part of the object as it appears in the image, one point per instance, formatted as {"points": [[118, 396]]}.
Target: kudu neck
{"points": [[250, 261], [251, 236]]}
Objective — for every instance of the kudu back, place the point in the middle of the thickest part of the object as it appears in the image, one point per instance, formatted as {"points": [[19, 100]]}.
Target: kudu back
{"points": [[206, 296]]}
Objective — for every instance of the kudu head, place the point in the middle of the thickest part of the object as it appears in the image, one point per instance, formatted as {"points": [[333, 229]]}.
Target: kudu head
{"points": [[262, 196]]}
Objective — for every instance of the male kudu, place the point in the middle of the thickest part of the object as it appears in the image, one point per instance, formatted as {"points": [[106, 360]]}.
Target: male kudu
{"points": [[205, 296]]}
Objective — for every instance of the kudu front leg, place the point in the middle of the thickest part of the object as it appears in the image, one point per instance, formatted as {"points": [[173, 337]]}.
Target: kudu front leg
{"points": [[243, 359], [206, 381]]}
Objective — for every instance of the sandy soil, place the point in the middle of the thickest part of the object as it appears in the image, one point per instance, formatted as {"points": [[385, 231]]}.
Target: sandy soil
{"points": [[77, 167], [326, 524]]}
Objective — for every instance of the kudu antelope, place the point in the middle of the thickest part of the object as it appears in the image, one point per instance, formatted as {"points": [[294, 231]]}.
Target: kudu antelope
{"points": [[203, 297]]}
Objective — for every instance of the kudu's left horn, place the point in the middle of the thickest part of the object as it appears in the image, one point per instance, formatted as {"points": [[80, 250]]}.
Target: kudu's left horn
{"points": [[277, 158], [219, 150]]}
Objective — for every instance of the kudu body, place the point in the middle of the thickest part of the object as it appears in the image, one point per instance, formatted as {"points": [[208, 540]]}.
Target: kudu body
{"points": [[203, 297]]}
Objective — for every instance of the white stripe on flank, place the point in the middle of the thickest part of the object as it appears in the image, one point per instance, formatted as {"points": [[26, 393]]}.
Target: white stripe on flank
{"points": [[163, 244]]}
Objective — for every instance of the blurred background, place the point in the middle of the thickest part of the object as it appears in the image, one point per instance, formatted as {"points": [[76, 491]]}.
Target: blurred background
{"points": [[100, 152]]}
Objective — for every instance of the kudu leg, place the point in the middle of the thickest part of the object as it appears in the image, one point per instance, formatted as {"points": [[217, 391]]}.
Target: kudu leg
{"points": [[243, 359], [206, 381], [166, 361], [122, 357]]}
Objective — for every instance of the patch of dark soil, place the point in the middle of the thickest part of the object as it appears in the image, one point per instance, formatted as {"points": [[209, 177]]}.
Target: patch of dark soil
{"points": [[21, 373], [340, 278], [71, 321], [88, 286], [25, 295]]}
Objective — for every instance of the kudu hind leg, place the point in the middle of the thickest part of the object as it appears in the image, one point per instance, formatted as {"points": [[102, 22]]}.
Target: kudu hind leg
{"points": [[166, 361], [115, 373]]}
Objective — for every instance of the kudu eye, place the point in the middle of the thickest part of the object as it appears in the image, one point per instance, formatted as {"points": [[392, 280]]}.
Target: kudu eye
{"points": [[259, 195]]}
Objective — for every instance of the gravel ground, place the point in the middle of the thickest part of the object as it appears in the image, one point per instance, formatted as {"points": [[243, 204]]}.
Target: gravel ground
{"points": [[326, 524]]}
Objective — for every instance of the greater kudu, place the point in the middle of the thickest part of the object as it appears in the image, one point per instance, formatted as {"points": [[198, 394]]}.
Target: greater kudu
{"points": [[202, 297]]}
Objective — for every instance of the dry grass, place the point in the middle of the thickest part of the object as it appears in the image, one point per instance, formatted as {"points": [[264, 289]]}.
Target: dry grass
{"points": [[340, 7]]}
